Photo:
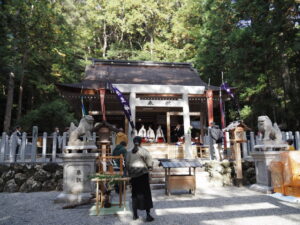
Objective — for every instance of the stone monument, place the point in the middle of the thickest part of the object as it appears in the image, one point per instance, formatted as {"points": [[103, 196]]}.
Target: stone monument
{"points": [[79, 164], [272, 145], [83, 130], [271, 135]]}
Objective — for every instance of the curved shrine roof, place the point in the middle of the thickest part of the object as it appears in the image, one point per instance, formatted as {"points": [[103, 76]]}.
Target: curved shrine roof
{"points": [[138, 72]]}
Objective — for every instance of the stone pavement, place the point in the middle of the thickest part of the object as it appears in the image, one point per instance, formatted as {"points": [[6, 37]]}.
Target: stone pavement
{"points": [[227, 205]]}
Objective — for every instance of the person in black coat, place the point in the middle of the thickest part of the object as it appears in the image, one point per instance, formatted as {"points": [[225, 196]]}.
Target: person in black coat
{"points": [[176, 133], [217, 137], [18, 133]]}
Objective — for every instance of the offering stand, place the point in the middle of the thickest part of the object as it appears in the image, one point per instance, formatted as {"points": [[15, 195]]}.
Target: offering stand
{"points": [[180, 181], [122, 191]]}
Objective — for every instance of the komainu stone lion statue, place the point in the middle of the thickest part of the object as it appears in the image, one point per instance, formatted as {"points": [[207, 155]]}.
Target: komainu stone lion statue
{"points": [[84, 128], [271, 133]]}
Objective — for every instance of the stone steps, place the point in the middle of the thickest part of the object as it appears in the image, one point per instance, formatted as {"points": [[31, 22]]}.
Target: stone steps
{"points": [[157, 186], [157, 180], [157, 175]]}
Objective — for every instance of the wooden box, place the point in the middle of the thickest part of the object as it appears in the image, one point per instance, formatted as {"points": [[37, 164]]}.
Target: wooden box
{"points": [[292, 191], [239, 134], [181, 182]]}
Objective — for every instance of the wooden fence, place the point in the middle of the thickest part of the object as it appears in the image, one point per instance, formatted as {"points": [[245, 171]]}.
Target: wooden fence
{"points": [[45, 148]]}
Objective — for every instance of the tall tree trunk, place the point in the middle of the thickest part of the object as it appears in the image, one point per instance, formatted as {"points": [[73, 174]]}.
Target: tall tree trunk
{"points": [[9, 102], [20, 98], [22, 73], [104, 41], [286, 86], [151, 45]]}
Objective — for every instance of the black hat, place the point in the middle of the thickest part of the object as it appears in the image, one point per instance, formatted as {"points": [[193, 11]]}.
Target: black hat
{"points": [[137, 140]]}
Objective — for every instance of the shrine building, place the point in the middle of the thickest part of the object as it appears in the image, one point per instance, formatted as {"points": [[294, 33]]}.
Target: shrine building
{"points": [[159, 94]]}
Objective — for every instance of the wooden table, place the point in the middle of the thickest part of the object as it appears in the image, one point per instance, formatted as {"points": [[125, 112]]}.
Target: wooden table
{"points": [[122, 192], [180, 181]]}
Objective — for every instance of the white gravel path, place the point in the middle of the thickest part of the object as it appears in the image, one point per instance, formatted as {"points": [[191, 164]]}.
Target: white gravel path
{"points": [[230, 205]]}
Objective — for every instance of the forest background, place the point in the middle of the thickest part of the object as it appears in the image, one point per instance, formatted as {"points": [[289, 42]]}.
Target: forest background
{"points": [[255, 43]]}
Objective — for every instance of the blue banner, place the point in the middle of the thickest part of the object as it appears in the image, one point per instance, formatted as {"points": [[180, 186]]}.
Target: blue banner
{"points": [[83, 110], [227, 88], [125, 105]]}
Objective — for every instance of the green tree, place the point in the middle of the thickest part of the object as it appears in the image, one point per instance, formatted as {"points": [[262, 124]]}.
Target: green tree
{"points": [[254, 44], [37, 44]]}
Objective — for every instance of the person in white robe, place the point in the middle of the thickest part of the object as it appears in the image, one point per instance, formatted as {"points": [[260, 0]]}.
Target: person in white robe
{"points": [[150, 134], [142, 132], [159, 135]]}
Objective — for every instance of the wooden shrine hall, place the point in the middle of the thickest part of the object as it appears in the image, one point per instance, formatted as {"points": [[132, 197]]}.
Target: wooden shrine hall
{"points": [[160, 95]]}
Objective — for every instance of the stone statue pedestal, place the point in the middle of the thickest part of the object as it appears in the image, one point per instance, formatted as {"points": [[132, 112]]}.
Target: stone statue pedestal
{"points": [[77, 186], [75, 149], [262, 161], [271, 147]]}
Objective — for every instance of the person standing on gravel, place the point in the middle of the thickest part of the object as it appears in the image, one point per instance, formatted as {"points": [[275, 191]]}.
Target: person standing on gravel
{"points": [[138, 164], [18, 134], [217, 138]]}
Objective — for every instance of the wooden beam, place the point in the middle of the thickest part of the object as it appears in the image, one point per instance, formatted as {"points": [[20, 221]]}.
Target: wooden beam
{"points": [[197, 95], [118, 112], [163, 89], [158, 95], [156, 109], [181, 113]]}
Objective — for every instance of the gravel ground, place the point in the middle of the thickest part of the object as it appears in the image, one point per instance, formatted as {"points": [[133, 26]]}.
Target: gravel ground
{"points": [[230, 205]]}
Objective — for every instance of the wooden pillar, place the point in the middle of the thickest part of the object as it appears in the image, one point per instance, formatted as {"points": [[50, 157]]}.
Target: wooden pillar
{"points": [[238, 161], [210, 106], [168, 128], [205, 118], [187, 123], [202, 127]]}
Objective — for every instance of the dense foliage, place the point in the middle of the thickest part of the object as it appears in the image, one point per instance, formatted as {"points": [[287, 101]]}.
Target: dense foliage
{"points": [[255, 43]]}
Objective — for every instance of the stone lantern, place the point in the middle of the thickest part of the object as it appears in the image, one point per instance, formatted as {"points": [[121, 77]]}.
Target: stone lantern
{"points": [[237, 131], [237, 136]]}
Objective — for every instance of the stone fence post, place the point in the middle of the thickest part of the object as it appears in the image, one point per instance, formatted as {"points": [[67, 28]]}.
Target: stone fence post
{"points": [[34, 142], [44, 148], [252, 141], [211, 147], [2, 147], [13, 148], [64, 141], [23, 147], [245, 146], [54, 146], [297, 140]]}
